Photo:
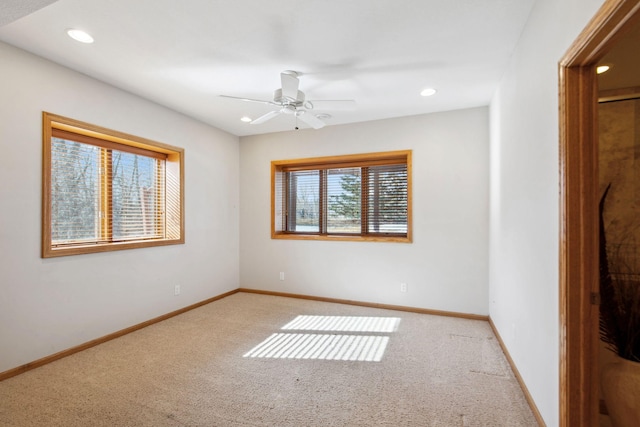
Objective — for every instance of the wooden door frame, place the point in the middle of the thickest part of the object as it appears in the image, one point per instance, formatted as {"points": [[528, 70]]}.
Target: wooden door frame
{"points": [[578, 285]]}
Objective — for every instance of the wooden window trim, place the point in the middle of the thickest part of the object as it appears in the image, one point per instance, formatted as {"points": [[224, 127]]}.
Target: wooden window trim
{"points": [[345, 161], [55, 125], [104, 143]]}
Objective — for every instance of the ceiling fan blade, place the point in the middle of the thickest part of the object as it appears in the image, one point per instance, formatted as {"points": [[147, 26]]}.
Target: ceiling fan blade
{"points": [[336, 104], [270, 115], [290, 84], [249, 100], [310, 119]]}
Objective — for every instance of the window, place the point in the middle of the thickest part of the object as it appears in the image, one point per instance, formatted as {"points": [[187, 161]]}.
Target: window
{"points": [[354, 197], [105, 190]]}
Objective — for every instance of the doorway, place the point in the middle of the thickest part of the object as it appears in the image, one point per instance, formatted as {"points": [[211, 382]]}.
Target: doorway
{"points": [[579, 313]]}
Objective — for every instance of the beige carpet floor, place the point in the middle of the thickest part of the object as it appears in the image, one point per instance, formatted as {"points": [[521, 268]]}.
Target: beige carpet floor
{"points": [[252, 360]]}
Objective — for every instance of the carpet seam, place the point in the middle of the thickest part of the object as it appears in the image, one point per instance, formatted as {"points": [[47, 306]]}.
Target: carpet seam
{"points": [[92, 343]]}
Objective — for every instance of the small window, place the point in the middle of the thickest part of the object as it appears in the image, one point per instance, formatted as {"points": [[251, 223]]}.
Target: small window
{"points": [[104, 190], [354, 197]]}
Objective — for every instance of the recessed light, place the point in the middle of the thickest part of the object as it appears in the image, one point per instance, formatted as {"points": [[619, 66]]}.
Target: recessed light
{"points": [[602, 69], [428, 92], [79, 35], [246, 119]]}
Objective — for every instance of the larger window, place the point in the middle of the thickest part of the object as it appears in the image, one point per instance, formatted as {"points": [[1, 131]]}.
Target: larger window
{"points": [[104, 190], [354, 197]]}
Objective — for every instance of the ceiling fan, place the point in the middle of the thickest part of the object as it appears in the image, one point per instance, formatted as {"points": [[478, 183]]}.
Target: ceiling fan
{"points": [[289, 100]]}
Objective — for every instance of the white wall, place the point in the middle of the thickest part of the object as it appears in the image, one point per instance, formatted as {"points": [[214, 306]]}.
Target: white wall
{"points": [[446, 266], [454, 263], [524, 219], [48, 305]]}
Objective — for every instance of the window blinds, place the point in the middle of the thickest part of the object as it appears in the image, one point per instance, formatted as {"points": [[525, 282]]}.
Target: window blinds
{"points": [[101, 194], [75, 192], [367, 198]]}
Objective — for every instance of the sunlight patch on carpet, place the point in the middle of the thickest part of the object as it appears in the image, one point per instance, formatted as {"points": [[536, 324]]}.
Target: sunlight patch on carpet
{"points": [[363, 348], [344, 324]]}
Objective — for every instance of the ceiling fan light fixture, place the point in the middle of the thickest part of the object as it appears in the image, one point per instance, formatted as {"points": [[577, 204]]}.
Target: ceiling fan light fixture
{"points": [[428, 92], [290, 100], [246, 119], [79, 35]]}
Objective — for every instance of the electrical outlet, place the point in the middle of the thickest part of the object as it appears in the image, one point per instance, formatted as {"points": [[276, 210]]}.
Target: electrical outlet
{"points": [[282, 275], [403, 287], [177, 290]]}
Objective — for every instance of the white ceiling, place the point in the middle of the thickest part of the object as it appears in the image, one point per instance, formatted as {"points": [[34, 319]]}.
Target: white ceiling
{"points": [[10, 10], [185, 53]]}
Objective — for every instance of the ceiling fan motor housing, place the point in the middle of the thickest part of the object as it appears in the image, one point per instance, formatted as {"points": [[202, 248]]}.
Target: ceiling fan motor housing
{"points": [[285, 100], [292, 101]]}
